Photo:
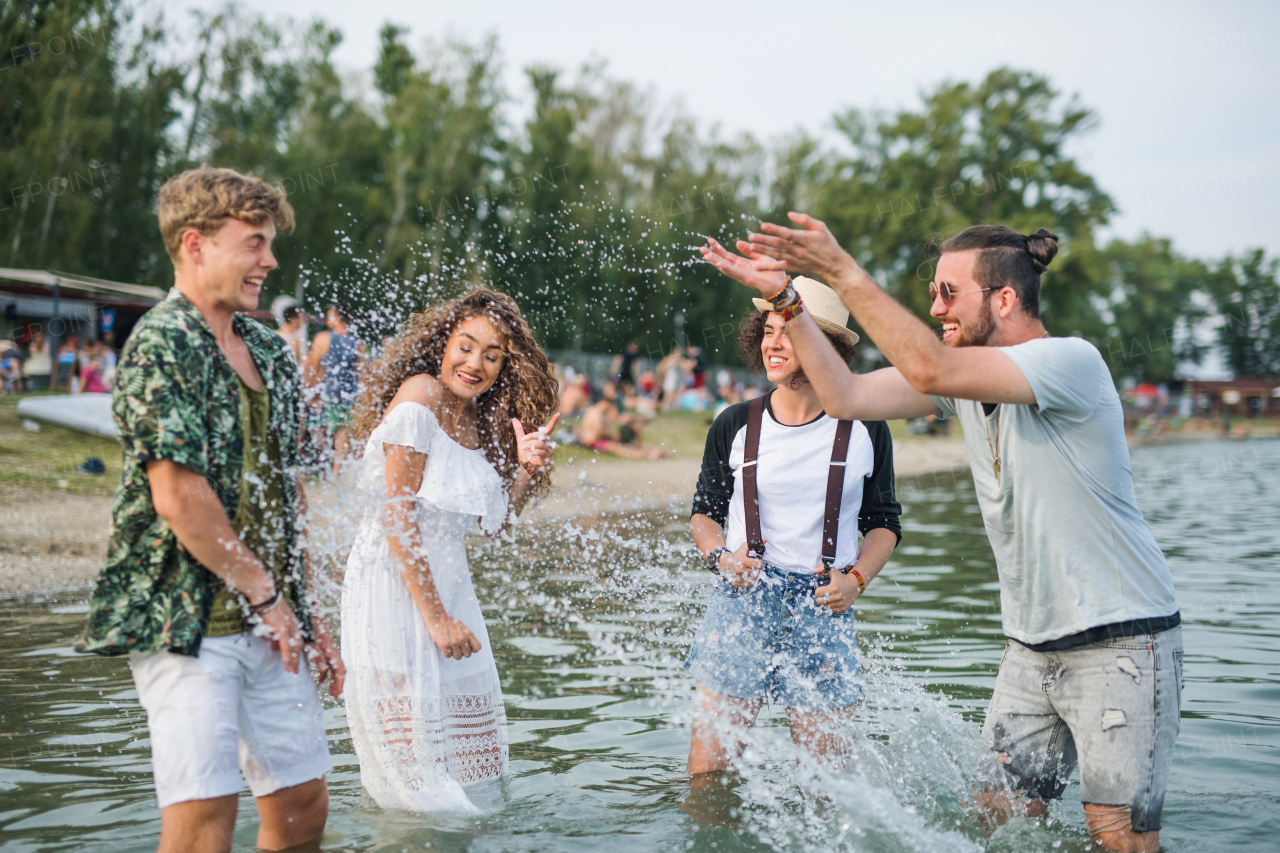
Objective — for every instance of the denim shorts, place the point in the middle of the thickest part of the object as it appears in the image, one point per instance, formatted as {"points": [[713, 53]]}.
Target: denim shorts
{"points": [[773, 641], [1111, 706]]}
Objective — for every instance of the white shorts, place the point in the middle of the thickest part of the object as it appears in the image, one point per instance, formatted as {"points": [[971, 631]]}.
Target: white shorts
{"points": [[233, 708]]}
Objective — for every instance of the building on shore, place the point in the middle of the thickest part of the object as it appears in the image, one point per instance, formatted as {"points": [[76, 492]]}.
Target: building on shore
{"points": [[1241, 397], [63, 305]]}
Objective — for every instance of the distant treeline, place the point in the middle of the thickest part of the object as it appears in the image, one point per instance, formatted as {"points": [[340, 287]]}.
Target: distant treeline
{"points": [[587, 212]]}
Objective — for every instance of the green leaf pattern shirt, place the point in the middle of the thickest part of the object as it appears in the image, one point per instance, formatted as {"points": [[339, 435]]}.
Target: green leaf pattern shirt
{"points": [[177, 398]]}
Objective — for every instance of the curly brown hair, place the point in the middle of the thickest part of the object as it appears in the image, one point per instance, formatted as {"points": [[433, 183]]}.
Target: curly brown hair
{"points": [[751, 333], [525, 387]]}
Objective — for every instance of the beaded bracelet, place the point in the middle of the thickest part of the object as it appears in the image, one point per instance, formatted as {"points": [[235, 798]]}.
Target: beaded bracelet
{"points": [[862, 585], [785, 298], [781, 290]]}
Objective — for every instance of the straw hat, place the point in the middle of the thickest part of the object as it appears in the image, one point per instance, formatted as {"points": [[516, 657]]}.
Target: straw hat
{"points": [[823, 305]]}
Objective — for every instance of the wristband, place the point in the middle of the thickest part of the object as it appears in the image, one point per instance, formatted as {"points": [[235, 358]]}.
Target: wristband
{"points": [[862, 585], [713, 558], [792, 311], [265, 606]]}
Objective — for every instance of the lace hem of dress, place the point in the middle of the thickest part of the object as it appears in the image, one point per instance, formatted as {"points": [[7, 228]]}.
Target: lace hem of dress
{"points": [[418, 741]]}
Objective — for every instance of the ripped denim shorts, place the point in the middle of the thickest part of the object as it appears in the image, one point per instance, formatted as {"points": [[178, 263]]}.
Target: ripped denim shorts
{"points": [[1111, 707], [773, 641]]}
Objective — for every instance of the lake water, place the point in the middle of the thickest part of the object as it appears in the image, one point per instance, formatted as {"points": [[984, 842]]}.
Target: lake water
{"points": [[591, 620]]}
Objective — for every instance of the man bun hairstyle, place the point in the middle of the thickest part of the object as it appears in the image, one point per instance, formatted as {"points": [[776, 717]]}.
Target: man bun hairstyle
{"points": [[205, 198], [1008, 259]]}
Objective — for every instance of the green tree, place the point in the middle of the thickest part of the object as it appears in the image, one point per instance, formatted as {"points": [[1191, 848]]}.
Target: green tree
{"points": [[991, 152], [85, 127], [1246, 294], [1153, 308]]}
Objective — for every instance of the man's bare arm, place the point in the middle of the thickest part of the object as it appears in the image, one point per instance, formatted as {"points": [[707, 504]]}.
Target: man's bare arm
{"points": [[879, 395], [930, 366], [876, 396], [188, 504]]}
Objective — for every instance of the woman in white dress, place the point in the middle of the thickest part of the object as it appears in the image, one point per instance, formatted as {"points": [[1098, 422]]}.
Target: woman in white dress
{"points": [[442, 423]]}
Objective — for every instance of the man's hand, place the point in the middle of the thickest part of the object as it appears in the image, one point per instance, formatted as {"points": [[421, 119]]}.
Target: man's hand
{"points": [[326, 658], [809, 249], [762, 274], [840, 594], [452, 637], [280, 626], [739, 569]]}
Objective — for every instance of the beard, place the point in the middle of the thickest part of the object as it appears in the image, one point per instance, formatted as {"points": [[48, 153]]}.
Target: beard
{"points": [[984, 327]]}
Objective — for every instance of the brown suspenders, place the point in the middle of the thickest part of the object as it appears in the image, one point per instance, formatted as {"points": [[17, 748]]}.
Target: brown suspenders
{"points": [[750, 497], [835, 484]]}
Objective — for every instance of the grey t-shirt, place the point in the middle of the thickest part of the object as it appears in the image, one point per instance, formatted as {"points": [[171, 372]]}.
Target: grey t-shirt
{"points": [[1072, 548]]}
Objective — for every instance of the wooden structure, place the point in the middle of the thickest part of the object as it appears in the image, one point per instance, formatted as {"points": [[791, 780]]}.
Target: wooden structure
{"points": [[1243, 397]]}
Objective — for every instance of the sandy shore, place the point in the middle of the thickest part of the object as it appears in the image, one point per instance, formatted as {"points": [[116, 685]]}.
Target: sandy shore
{"points": [[53, 542], [603, 484], [50, 541]]}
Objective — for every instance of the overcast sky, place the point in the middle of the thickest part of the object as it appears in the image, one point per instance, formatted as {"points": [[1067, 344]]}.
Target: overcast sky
{"points": [[1188, 95]]}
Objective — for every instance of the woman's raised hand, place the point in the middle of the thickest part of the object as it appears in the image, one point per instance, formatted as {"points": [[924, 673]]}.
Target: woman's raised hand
{"points": [[762, 274], [534, 449]]}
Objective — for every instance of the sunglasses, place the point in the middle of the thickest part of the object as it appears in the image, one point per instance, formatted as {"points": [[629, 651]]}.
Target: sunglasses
{"points": [[948, 293]]}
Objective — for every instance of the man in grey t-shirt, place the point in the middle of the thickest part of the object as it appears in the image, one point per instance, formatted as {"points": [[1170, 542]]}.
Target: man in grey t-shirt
{"points": [[1093, 669]]}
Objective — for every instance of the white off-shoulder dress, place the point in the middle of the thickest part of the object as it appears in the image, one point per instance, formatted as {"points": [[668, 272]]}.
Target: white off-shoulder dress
{"points": [[429, 731]]}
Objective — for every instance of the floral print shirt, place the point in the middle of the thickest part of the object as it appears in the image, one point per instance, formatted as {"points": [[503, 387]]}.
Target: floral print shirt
{"points": [[177, 398]]}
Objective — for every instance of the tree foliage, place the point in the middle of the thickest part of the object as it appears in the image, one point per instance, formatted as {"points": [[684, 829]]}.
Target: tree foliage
{"points": [[587, 210]]}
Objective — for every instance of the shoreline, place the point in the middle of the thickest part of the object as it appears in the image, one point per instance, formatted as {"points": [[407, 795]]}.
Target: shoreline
{"points": [[55, 542]]}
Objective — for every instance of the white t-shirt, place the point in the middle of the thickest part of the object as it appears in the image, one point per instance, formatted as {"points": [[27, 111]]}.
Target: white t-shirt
{"points": [[1071, 546], [791, 484]]}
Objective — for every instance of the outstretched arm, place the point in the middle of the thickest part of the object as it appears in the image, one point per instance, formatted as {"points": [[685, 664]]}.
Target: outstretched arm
{"points": [[879, 395], [931, 367]]}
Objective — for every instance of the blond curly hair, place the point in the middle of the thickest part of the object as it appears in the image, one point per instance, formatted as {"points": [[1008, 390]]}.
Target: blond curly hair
{"points": [[205, 198], [525, 387]]}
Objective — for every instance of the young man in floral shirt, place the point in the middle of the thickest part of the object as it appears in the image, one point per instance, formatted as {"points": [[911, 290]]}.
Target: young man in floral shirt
{"points": [[204, 586]]}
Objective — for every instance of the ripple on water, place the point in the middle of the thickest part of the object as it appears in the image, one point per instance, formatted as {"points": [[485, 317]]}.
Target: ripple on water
{"points": [[590, 652]]}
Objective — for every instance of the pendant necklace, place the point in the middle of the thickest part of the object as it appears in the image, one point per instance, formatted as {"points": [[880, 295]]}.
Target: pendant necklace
{"points": [[994, 448]]}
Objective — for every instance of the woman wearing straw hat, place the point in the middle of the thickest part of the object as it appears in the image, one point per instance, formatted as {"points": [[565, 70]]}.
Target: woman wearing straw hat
{"points": [[784, 491]]}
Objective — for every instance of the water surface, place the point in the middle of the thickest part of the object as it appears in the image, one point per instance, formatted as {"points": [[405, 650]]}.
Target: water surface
{"points": [[591, 620]]}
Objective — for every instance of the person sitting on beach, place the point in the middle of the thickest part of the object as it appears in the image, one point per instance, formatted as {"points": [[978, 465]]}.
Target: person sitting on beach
{"points": [[66, 364], [639, 408], [10, 367], [443, 424], [204, 587], [784, 491], [576, 397], [605, 431], [91, 381], [1093, 667]]}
